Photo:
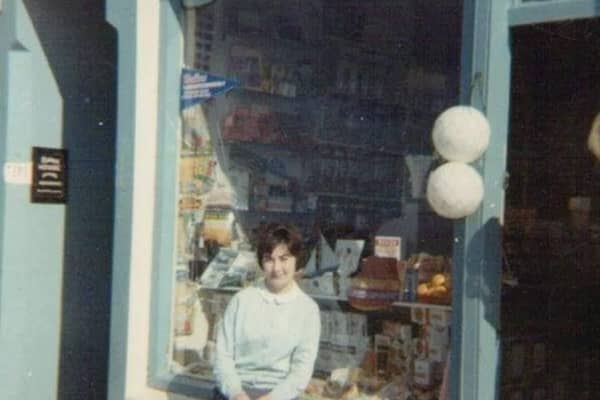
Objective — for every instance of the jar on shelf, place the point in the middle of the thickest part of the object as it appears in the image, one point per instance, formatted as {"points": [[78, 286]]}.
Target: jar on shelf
{"points": [[185, 299]]}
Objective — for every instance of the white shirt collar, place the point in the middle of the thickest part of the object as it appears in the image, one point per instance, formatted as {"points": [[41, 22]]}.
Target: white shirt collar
{"points": [[276, 298]]}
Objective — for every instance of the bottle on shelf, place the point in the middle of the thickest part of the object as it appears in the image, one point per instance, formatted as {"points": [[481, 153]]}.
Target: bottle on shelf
{"points": [[199, 262], [411, 281]]}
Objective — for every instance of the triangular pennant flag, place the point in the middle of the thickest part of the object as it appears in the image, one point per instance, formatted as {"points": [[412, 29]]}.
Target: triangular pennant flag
{"points": [[198, 86]]}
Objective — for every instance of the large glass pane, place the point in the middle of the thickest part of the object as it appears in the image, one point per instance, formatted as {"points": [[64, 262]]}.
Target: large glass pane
{"points": [[552, 232], [327, 127]]}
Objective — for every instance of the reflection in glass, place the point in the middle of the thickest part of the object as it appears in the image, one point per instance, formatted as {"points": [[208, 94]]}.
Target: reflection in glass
{"points": [[328, 128]]}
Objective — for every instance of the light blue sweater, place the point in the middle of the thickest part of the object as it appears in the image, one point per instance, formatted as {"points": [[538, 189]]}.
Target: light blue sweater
{"points": [[267, 342]]}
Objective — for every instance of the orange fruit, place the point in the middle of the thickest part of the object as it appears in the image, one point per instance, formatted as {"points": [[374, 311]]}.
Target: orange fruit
{"points": [[423, 289], [438, 280]]}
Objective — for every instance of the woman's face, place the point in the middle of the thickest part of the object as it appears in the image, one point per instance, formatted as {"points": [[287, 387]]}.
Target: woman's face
{"points": [[279, 268]]}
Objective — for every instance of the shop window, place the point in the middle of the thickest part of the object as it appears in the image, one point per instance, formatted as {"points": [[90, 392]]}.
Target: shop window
{"points": [[319, 114]]}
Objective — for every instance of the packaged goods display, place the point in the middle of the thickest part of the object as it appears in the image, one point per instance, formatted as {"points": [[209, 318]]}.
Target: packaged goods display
{"points": [[402, 357], [370, 347]]}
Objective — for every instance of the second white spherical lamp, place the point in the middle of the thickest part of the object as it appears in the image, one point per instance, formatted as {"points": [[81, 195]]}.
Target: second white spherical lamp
{"points": [[454, 190]]}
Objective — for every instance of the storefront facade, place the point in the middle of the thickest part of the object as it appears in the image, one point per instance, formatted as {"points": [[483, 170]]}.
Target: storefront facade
{"points": [[57, 63], [485, 84], [151, 54]]}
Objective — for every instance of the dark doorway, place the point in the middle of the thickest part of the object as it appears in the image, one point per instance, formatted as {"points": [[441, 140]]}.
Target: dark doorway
{"points": [[552, 231]]}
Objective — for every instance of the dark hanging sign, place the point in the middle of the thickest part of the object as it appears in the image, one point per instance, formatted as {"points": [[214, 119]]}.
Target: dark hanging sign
{"points": [[49, 183]]}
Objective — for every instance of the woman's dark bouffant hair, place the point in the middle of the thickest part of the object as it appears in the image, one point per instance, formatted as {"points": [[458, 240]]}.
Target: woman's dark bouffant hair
{"points": [[272, 235]]}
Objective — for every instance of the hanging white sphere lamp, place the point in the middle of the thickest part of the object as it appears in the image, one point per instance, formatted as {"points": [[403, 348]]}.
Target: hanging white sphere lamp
{"points": [[454, 190], [461, 133]]}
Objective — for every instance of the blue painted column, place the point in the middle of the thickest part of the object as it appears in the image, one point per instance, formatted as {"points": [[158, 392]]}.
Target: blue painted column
{"points": [[475, 364], [31, 235], [122, 14]]}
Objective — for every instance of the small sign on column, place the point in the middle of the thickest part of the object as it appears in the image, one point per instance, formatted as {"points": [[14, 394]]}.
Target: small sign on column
{"points": [[49, 183]]}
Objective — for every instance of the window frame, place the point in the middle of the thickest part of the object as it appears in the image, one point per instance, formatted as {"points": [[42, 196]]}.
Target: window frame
{"points": [[171, 20], [159, 377]]}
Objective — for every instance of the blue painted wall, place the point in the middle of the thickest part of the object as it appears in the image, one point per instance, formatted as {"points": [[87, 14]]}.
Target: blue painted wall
{"points": [[57, 89]]}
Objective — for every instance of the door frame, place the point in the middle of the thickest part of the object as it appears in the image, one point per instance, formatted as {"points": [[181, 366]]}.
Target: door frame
{"points": [[485, 84]]}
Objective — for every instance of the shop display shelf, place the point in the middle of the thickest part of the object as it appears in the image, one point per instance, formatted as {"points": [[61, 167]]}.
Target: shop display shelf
{"points": [[358, 197], [310, 143], [399, 304], [323, 297]]}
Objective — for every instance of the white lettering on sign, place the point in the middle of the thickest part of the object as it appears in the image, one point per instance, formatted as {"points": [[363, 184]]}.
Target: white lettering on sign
{"points": [[18, 173], [49, 178], [49, 175], [51, 191], [50, 160], [49, 167], [51, 183]]}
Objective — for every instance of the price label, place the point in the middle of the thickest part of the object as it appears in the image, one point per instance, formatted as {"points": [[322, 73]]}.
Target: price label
{"points": [[18, 173]]}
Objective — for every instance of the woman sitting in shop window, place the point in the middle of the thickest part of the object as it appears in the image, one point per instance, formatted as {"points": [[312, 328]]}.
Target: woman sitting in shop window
{"points": [[268, 338]]}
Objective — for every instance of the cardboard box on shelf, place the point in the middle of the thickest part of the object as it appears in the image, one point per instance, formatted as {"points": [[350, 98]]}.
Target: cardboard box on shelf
{"points": [[423, 373], [437, 352], [420, 348], [439, 318], [438, 336], [400, 358], [419, 315], [397, 330]]}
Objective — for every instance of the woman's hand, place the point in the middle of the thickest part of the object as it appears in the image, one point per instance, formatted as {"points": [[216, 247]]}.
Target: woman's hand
{"points": [[241, 396]]}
